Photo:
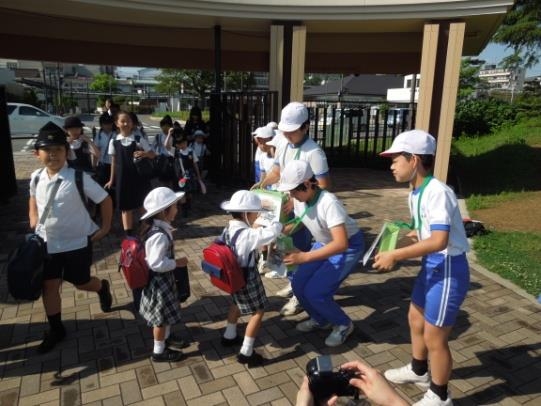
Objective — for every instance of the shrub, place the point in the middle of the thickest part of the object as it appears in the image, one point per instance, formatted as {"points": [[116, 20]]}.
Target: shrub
{"points": [[482, 116]]}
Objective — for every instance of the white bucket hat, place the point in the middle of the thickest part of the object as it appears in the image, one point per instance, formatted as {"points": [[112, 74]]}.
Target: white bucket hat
{"points": [[293, 116], [417, 142], [263, 132], [243, 201], [295, 173], [158, 200]]}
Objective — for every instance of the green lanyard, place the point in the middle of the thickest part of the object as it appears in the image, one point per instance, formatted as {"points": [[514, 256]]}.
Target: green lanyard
{"points": [[297, 220], [411, 226]]}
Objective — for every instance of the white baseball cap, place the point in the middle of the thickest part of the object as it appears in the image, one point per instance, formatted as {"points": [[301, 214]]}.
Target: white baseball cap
{"points": [[263, 132], [416, 142], [295, 173], [158, 200], [243, 201], [293, 116], [272, 124]]}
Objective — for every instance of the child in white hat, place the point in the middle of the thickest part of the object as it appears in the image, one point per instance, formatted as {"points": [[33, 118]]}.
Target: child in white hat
{"points": [[245, 241], [339, 243], [159, 300], [443, 282]]}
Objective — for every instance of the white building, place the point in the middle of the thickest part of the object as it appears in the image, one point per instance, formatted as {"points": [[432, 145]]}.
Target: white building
{"points": [[499, 78], [403, 94]]}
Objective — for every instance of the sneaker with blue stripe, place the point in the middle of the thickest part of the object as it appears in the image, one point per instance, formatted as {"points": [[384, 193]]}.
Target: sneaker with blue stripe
{"points": [[339, 335]]}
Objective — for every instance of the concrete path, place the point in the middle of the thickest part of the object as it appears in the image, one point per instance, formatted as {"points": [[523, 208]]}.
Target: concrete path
{"points": [[105, 357]]}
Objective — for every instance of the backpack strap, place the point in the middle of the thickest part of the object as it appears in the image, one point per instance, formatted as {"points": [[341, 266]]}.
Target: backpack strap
{"points": [[80, 188], [232, 243], [36, 178], [158, 230]]}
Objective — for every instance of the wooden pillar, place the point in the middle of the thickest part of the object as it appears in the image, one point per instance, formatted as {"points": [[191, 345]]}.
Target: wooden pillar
{"points": [[276, 61], [440, 70], [286, 61]]}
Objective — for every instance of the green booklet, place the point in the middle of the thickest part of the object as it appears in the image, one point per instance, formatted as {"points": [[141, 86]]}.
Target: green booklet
{"points": [[273, 201], [385, 241]]}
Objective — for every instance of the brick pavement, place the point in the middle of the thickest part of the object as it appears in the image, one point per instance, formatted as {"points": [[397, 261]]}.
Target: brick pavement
{"points": [[104, 359]]}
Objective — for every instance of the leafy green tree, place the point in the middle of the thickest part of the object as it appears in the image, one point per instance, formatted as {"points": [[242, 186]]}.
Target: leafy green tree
{"points": [[171, 81], [311, 79], [105, 84], [469, 81], [239, 81], [521, 31]]}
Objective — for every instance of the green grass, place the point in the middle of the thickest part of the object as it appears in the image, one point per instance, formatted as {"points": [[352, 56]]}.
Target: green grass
{"points": [[513, 256], [497, 168]]}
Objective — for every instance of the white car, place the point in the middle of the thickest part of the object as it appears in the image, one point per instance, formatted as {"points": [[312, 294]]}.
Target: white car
{"points": [[27, 119]]}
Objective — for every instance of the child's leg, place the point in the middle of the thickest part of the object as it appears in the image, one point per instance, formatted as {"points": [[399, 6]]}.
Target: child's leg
{"points": [[127, 220], [416, 321], [441, 361], [231, 327], [251, 332], [158, 333]]}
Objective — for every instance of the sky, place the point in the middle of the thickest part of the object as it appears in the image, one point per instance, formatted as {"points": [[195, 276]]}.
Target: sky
{"points": [[494, 53]]}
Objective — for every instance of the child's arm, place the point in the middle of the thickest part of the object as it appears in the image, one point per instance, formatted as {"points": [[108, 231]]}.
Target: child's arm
{"points": [[196, 167], [111, 182], [92, 147], [106, 215], [261, 236], [33, 212], [437, 241], [338, 244]]}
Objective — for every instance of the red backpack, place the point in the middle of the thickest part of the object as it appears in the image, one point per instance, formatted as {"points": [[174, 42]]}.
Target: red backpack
{"points": [[132, 260], [220, 262]]}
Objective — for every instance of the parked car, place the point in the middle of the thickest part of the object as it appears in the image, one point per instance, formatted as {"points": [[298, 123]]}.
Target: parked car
{"points": [[397, 116], [27, 119]]}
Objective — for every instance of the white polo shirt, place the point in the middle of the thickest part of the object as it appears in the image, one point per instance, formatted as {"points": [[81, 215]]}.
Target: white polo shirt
{"points": [[439, 211], [125, 141], [69, 224], [308, 151], [247, 241], [327, 213]]}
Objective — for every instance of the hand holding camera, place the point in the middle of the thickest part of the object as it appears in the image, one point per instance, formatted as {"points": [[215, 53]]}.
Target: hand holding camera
{"points": [[325, 382]]}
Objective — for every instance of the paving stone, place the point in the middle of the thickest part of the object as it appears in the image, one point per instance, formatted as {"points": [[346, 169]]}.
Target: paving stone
{"points": [[130, 392], [264, 396]]}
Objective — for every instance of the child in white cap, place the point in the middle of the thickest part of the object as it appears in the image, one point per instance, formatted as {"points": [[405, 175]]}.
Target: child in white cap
{"points": [[339, 243], [159, 300], [245, 241], [442, 284]]}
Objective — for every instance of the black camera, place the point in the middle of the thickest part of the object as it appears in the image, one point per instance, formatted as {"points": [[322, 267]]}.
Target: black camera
{"points": [[324, 382]]}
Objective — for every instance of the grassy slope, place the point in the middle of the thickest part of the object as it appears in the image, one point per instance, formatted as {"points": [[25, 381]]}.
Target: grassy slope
{"points": [[497, 168]]}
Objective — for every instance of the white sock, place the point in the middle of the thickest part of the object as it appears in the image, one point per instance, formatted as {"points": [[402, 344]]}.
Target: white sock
{"points": [[230, 331], [159, 347], [247, 346], [167, 332]]}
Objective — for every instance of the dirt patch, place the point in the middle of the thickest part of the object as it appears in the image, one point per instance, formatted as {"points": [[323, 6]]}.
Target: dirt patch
{"points": [[516, 215]]}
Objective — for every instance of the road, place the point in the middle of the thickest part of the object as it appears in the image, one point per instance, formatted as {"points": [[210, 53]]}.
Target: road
{"points": [[25, 142]]}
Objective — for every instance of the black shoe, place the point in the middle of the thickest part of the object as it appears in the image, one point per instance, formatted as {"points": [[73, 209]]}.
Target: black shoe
{"points": [[254, 360], [167, 356], [176, 342], [106, 299], [50, 339], [231, 342]]}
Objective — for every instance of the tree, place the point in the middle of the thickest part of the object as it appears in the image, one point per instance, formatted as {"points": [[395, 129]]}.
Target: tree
{"points": [[521, 31], [170, 81], [239, 81], [104, 83], [469, 80]]}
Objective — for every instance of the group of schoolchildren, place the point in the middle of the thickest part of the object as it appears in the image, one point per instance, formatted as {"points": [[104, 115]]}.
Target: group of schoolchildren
{"points": [[328, 242]]}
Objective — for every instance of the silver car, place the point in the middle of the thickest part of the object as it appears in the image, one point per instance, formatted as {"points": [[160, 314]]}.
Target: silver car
{"points": [[27, 119]]}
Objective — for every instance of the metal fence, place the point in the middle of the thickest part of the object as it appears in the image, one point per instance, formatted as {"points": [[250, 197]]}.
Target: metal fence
{"points": [[351, 135]]}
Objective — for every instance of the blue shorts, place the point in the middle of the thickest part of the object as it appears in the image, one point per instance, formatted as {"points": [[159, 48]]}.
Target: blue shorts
{"points": [[440, 287]]}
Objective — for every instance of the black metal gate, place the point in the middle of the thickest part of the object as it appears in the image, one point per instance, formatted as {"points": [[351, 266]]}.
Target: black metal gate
{"points": [[234, 116], [351, 135]]}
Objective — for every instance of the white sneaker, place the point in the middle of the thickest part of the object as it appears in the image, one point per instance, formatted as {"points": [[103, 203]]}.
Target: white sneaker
{"points": [[291, 308], [406, 375], [339, 335], [285, 292], [277, 271], [431, 399], [311, 325]]}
